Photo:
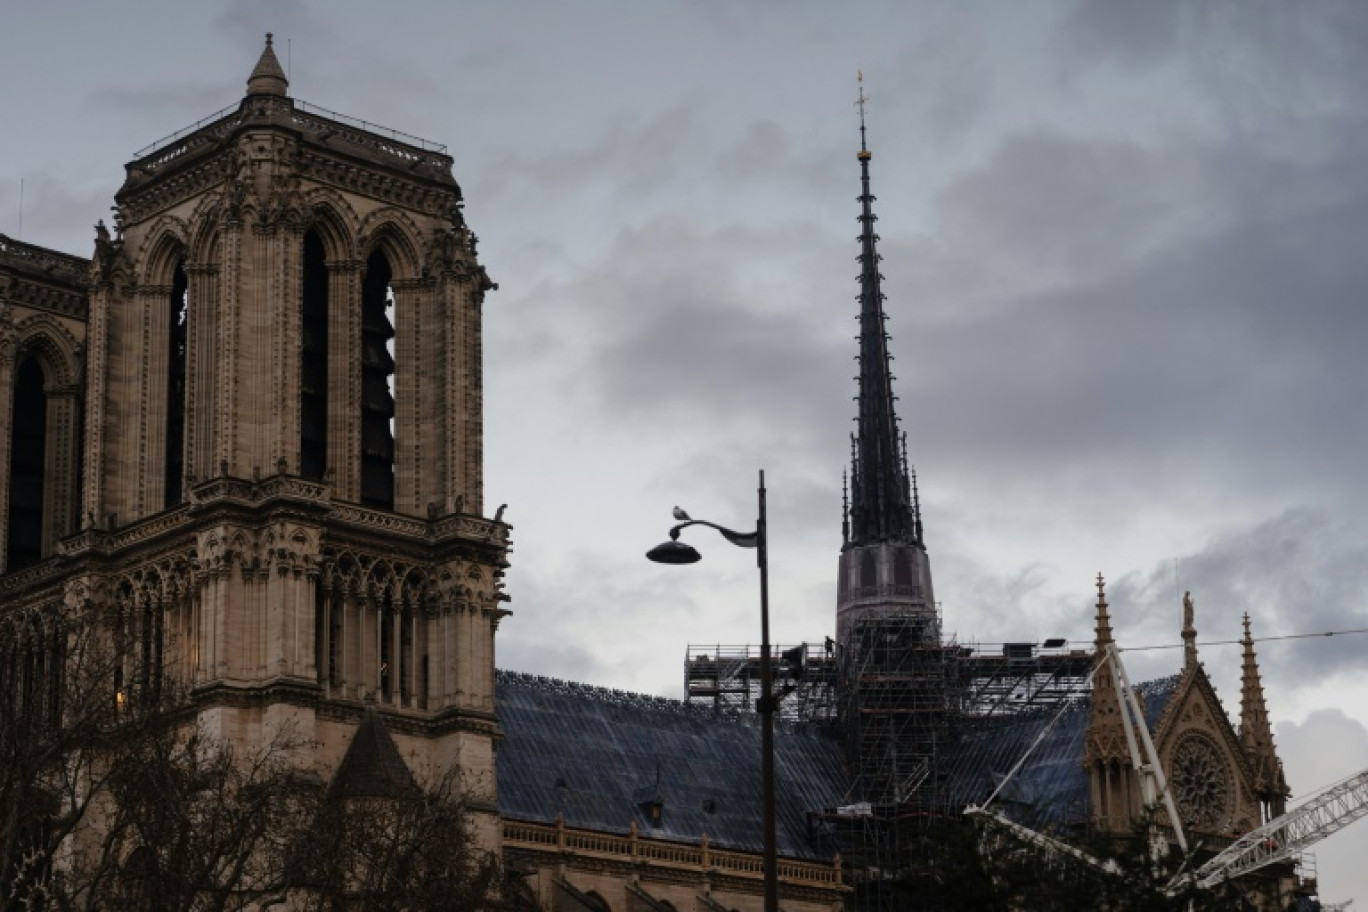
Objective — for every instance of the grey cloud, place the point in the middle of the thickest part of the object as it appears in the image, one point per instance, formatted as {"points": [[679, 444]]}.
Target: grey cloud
{"points": [[1299, 572], [1322, 749], [1051, 210], [681, 329], [1200, 347], [247, 21], [54, 212], [1135, 34], [178, 100], [633, 157], [767, 152]]}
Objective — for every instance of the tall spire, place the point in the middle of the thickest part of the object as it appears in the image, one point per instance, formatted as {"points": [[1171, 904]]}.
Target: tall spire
{"points": [[881, 508]]}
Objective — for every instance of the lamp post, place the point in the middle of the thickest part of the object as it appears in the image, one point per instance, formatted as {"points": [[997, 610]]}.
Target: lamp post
{"points": [[675, 551]]}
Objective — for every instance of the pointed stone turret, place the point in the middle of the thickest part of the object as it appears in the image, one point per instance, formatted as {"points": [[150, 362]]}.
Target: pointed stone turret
{"points": [[1106, 737], [372, 766], [884, 570], [1256, 734], [268, 77], [1105, 755], [1189, 634]]}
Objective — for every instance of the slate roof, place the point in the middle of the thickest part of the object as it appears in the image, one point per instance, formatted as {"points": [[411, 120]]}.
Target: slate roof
{"points": [[601, 756], [1051, 788]]}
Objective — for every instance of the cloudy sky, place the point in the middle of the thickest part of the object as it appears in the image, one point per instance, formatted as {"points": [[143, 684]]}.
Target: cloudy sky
{"points": [[1126, 257]]}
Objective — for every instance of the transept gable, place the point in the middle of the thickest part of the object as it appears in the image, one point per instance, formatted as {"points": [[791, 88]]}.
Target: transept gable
{"points": [[1208, 771]]}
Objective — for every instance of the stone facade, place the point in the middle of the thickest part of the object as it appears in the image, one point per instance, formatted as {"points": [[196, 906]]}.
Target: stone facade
{"points": [[260, 414]]}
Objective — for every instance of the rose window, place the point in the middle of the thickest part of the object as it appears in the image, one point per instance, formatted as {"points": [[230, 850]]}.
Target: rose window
{"points": [[1201, 783]]}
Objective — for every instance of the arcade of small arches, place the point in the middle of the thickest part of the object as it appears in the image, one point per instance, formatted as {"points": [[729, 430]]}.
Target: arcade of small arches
{"points": [[384, 628]]}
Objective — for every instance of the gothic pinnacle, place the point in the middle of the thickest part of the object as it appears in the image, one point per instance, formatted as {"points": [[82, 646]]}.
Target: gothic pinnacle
{"points": [[268, 78]]}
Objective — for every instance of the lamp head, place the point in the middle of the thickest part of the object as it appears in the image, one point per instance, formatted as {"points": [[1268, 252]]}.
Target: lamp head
{"points": [[674, 552]]}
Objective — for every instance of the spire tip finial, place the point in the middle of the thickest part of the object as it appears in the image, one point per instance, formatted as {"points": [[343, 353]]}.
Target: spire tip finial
{"points": [[860, 100]]}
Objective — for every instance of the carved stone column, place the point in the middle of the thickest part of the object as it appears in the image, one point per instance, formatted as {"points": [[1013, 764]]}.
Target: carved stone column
{"points": [[148, 388], [344, 378], [412, 394]]}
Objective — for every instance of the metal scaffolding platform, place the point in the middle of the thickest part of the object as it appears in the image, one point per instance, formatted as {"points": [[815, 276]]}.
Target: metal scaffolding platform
{"points": [[726, 679]]}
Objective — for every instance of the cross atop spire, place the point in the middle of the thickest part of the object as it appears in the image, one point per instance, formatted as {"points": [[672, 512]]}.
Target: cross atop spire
{"points": [[860, 100], [268, 77], [881, 501]]}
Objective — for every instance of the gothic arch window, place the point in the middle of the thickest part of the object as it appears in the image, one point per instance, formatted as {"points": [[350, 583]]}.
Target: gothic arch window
{"points": [[377, 384], [179, 311], [869, 577], [28, 463], [313, 379]]}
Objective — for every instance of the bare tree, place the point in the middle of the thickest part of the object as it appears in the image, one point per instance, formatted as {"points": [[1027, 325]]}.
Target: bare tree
{"points": [[412, 850], [111, 800]]}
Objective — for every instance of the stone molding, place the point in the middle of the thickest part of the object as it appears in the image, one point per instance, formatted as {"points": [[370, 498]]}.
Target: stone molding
{"points": [[633, 854]]}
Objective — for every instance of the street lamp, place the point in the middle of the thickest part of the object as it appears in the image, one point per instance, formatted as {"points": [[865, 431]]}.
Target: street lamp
{"points": [[675, 551]]}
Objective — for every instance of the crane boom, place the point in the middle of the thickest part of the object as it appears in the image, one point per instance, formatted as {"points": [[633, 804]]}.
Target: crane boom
{"points": [[1334, 808], [1049, 844]]}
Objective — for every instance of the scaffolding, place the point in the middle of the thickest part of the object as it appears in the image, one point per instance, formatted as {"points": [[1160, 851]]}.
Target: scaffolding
{"points": [[928, 725], [726, 679], [895, 683], [1021, 677]]}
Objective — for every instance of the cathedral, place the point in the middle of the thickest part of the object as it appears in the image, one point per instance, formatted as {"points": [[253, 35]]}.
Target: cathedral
{"points": [[244, 439]]}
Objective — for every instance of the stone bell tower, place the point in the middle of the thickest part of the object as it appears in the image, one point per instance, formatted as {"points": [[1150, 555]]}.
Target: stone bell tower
{"points": [[282, 512]]}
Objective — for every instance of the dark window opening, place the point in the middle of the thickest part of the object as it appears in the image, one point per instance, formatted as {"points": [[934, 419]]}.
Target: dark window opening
{"points": [[28, 457], [902, 568], [313, 373], [175, 389], [377, 385]]}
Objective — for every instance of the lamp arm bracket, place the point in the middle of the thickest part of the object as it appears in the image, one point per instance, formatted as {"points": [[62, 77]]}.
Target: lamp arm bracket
{"points": [[740, 539]]}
